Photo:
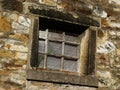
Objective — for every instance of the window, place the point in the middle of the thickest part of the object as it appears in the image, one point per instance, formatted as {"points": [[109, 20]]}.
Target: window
{"points": [[56, 51]]}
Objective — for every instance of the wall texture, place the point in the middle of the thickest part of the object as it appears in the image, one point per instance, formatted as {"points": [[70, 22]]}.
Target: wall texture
{"points": [[108, 50], [15, 23], [14, 38]]}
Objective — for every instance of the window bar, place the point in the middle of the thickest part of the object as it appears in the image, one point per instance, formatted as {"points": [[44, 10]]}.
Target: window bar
{"points": [[72, 43], [78, 51], [63, 45], [46, 49]]}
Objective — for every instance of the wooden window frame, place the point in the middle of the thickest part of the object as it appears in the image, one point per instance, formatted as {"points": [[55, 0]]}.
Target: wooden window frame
{"points": [[58, 77], [63, 42]]}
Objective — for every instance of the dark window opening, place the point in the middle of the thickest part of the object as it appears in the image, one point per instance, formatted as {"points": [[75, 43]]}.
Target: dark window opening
{"points": [[61, 26], [59, 45]]}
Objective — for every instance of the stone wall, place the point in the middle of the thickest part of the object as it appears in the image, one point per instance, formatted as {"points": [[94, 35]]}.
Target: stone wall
{"points": [[108, 50], [15, 22], [53, 86], [14, 39]]}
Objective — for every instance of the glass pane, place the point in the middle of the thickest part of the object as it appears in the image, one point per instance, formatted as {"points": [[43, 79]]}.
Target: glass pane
{"points": [[41, 45], [53, 62], [42, 34], [72, 38], [55, 35], [41, 60], [54, 48], [70, 65], [71, 50]]}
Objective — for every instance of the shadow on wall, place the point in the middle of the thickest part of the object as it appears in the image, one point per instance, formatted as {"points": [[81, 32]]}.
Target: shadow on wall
{"points": [[60, 25], [12, 5]]}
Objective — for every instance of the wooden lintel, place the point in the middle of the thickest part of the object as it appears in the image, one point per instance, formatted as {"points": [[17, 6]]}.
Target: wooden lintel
{"points": [[82, 19]]}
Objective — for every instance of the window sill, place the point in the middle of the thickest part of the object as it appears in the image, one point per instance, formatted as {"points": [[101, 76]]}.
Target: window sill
{"points": [[48, 76]]}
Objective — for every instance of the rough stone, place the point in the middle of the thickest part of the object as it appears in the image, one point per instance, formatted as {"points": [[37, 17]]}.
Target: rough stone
{"points": [[2, 88], [100, 13], [9, 86], [102, 60], [22, 56], [6, 62], [49, 2], [106, 82], [50, 86], [107, 47], [118, 52], [114, 24], [112, 32], [1, 43], [6, 54], [21, 37], [118, 33], [17, 78], [17, 26], [1, 66], [106, 74], [13, 17], [13, 47], [20, 62], [1, 34], [114, 2], [24, 21], [12, 5], [5, 25]]}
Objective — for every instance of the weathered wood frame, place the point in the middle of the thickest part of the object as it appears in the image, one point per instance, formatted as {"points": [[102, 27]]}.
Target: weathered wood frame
{"points": [[55, 77], [63, 42], [91, 53], [58, 77]]}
